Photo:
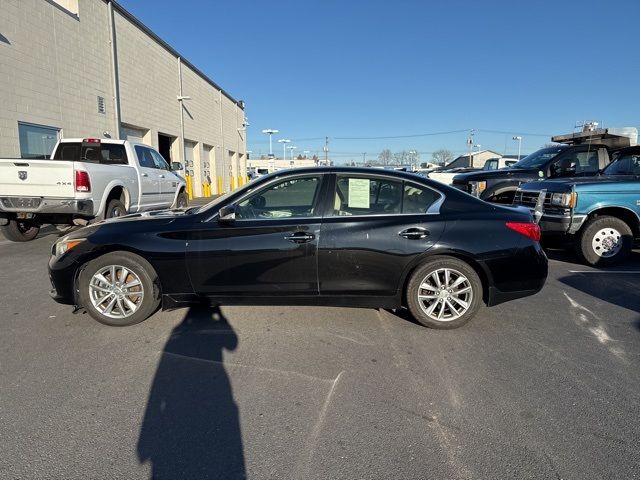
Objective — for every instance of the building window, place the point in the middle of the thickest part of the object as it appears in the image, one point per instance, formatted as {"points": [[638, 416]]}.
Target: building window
{"points": [[70, 6], [37, 141]]}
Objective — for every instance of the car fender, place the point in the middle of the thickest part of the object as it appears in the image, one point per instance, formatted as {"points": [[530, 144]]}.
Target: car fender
{"points": [[117, 183], [182, 186], [442, 251]]}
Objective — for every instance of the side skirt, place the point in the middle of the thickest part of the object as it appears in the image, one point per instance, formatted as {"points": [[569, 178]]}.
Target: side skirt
{"points": [[174, 301]]}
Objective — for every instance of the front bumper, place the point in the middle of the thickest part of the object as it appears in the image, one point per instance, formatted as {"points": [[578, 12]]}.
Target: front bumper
{"points": [[561, 224], [45, 205], [62, 274]]}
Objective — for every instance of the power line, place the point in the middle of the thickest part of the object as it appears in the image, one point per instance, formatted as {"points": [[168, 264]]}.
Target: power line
{"points": [[402, 136]]}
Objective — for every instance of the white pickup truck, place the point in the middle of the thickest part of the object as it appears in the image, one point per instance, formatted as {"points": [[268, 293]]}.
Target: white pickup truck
{"points": [[85, 179], [446, 176]]}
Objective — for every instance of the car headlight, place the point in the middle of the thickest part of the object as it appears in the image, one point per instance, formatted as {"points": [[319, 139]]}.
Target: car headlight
{"points": [[63, 246], [567, 200], [478, 187]]}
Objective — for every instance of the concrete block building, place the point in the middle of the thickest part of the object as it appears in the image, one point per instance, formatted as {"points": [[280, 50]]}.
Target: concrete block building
{"points": [[88, 68]]}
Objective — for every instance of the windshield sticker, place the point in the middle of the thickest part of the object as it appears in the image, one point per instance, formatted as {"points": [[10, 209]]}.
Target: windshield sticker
{"points": [[359, 193]]}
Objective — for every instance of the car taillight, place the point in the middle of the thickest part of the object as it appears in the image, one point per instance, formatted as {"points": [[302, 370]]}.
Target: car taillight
{"points": [[83, 182], [528, 229]]}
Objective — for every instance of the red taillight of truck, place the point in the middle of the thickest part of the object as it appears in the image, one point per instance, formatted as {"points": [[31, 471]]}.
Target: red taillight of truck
{"points": [[82, 181]]}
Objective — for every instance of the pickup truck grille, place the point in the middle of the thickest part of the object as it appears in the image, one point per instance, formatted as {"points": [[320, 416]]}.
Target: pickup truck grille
{"points": [[530, 199]]}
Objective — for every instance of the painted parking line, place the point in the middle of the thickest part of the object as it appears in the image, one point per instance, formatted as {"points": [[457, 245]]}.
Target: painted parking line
{"points": [[623, 272]]}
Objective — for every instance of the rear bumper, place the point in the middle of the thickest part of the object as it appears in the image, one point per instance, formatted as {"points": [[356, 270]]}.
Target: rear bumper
{"points": [[517, 276], [44, 205]]}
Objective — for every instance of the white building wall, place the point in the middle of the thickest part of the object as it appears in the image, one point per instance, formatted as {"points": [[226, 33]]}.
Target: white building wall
{"points": [[54, 64]]}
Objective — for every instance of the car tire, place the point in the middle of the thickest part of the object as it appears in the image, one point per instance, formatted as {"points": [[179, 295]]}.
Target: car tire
{"points": [[605, 241], [115, 208], [438, 312], [133, 297], [183, 200], [18, 231]]}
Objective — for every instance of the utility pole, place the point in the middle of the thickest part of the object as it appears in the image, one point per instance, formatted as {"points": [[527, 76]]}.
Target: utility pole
{"points": [[470, 144], [364, 158], [326, 151]]}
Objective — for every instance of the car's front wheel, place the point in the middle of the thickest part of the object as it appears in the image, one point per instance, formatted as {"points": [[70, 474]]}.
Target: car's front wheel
{"points": [[605, 241], [444, 293], [119, 289], [183, 200]]}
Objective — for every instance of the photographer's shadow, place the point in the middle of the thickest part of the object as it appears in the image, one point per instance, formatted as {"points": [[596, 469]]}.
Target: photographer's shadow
{"points": [[191, 427]]}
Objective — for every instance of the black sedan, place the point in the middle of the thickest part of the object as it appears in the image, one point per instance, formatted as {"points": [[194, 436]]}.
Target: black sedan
{"points": [[316, 236]]}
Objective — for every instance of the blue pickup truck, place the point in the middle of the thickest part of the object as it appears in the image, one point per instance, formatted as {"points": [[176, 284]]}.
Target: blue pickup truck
{"points": [[600, 215]]}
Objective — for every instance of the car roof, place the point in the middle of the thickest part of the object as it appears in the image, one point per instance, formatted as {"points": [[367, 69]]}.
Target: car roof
{"points": [[348, 170]]}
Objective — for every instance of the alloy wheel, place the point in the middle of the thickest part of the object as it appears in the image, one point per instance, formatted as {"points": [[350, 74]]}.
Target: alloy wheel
{"points": [[445, 295], [116, 291]]}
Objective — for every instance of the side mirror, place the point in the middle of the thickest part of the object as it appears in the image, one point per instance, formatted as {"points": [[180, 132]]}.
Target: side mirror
{"points": [[227, 214], [176, 166]]}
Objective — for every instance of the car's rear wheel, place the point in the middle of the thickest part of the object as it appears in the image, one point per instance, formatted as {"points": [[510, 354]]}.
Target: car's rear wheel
{"points": [[20, 231], [115, 208], [444, 293], [119, 289], [605, 241]]}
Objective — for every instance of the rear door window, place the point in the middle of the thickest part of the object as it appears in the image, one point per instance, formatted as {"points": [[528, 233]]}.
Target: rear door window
{"points": [[356, 195], [418, 199]]}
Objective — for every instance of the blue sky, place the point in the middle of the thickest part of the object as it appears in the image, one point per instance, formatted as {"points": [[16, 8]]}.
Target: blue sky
{"points": [[371, 68]]}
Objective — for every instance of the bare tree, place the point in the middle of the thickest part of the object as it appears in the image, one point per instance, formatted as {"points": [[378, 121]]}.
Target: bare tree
{"points": [[442, 156], [385, 156], [401, 158]]}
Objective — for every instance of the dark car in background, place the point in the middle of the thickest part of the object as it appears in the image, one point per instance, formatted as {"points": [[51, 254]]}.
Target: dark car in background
{"points": [[313, 236], [499, 186]]}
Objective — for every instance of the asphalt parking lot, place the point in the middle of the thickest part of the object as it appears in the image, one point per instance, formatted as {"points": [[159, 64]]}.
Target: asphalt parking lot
{"points": [[543, 387]]}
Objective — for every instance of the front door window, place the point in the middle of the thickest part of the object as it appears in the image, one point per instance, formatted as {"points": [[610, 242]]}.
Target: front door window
{"points": [[292, 198]]}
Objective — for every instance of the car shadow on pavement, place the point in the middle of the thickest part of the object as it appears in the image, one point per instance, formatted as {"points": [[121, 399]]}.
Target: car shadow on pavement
{"points": [[567, 255], [616, 288], [191, 426]]}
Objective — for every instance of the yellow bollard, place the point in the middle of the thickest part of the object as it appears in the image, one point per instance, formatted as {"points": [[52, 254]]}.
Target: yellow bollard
{"points": [[219, 183], [189, 186]]}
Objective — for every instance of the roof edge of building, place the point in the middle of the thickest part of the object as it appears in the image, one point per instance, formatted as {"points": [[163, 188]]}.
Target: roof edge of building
{"points": [[129, 16]]}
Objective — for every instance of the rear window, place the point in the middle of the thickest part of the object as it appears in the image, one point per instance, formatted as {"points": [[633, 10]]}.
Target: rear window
{"points": [[109, 153]]}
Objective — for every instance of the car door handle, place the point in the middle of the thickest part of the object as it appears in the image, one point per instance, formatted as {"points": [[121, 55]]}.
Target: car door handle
{"points": [[300, 237], [161, 176], [144, 175], [414, 233]]}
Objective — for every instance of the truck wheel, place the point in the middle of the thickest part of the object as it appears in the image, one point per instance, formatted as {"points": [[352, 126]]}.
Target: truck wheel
{"points": [[115, 208], [444, 293], [605, 241], [183, 200], [19, 231], [119, 289]]}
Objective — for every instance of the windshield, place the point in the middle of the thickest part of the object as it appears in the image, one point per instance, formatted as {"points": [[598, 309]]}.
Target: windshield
{"points": [[539, 158], [627, 164]]}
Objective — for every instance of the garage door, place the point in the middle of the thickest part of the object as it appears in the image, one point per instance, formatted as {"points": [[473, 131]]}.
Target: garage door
{"points": [[135, 135]]}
